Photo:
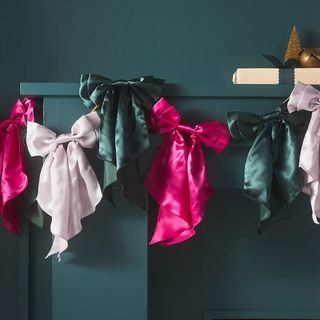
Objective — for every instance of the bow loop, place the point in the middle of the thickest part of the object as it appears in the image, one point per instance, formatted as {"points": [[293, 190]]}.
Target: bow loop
{"points": [[68, 187], [42, 140], [243, 125], [177, 178], [303, 97], [164, 117], [214, 135], [93, 89], [22, 112], [123, 132], [86, 130]]}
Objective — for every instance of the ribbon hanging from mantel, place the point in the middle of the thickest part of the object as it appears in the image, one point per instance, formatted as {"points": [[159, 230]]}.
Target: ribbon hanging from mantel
{"points": [[68, 187], [123, 131], [177, 179], [12, 168], [271, 174], [305, 97]]}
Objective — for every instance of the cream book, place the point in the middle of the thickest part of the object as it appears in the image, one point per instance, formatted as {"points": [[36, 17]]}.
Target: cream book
{"points": [[276, 76]]}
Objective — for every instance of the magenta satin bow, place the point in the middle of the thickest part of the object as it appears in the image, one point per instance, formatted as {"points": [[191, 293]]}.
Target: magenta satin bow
{"points": [[178, 179], [13, 178], [305, 97], [68, 187]]}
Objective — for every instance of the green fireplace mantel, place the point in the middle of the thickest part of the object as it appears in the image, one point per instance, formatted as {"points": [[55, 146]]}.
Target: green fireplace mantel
{"points": [[171, 89], [110, 270]]}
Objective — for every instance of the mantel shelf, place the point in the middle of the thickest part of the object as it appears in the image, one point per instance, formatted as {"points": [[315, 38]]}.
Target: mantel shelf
{"points": [[41, 89]]}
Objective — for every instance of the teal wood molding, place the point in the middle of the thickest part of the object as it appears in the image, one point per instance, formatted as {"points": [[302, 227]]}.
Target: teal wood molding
{"points": [[34, 89], [260, 314], [23, 275]]}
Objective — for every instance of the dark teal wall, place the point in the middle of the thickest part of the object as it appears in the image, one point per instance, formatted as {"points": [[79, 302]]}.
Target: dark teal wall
{"points": [[202, 40], [11, 70], [181, 41]]}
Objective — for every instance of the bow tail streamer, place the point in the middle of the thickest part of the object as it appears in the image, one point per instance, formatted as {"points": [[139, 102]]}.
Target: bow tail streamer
{"points": [[72, 194], [312, 188], [200, 189], [83, 180], [123, 138], [53, 197], [199, 186], [107, 149], [13, 179], [258, 173], [137, 139], [287, 178], [167, 181], [129, 129]]}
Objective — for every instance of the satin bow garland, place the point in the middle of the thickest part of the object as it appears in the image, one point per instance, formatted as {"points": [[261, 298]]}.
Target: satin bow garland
{"points": [[123, 131], [271, 175], [12, 168], [68, 188], [177, 178], [305, 97]]}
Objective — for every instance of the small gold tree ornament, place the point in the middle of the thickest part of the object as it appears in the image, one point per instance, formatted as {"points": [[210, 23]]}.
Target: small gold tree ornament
{"points": [[293, 49]]}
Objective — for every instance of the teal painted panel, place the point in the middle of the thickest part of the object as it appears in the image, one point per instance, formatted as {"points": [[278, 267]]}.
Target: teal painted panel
{"points": [[40, 275], [10, 246], [228, 267]]}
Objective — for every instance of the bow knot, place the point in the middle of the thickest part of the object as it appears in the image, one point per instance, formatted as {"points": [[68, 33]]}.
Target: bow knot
{"points": [[304, 97], [177, 178], [68, 187], [187, 128]]}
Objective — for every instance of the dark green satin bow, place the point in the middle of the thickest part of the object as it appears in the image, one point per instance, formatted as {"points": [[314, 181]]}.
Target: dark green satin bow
{"points": [[124, 133], [271, 173]]}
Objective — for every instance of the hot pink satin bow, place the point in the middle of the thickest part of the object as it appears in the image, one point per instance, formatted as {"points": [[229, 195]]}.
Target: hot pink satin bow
{"points": [[13, 178], [68, 187], [305, 97], [177, 179]]}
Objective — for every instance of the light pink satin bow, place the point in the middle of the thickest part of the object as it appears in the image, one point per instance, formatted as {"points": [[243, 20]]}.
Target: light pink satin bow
{"points": [[177, 178], [68, 187], [305, 97], [12, 170]]}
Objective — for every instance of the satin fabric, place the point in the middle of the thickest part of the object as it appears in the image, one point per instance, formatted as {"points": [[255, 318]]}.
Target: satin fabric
{"points": [[271, 174], [12, 168], [123, 131], [28, 205], [68, 188], [177, 178], [305, 97]]}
